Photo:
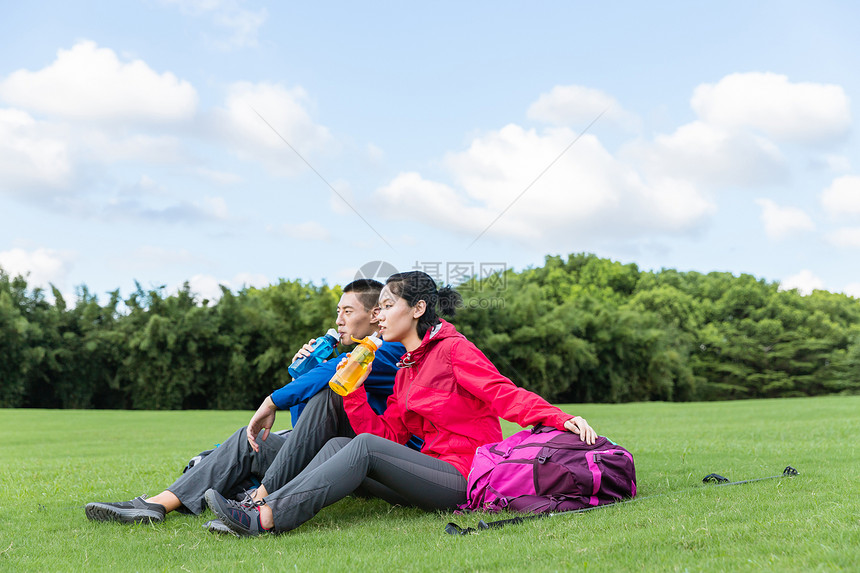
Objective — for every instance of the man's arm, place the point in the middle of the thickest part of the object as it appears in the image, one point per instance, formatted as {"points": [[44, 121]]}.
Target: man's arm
{"points": [[261, 423], [299, 390], [305, 386]]}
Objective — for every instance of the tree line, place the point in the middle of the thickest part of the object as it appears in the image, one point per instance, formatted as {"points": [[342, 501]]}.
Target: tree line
{"points": [[580, 329]]}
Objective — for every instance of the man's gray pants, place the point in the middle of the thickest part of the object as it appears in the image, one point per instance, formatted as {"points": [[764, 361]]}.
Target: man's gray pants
{"points": [[280, 459]]}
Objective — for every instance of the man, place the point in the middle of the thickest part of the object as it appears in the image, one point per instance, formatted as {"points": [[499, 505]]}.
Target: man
{"points": [[276, 459]]}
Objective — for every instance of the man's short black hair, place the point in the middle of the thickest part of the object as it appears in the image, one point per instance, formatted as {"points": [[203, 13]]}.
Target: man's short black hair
{"points": [[367, 291]]}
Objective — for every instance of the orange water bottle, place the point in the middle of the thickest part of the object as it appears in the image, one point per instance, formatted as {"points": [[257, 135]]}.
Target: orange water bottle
{"points": [[344, 380]]}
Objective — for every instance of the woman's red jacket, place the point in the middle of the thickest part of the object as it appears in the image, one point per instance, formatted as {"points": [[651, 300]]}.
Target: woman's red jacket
{"points": [[450, 395]]}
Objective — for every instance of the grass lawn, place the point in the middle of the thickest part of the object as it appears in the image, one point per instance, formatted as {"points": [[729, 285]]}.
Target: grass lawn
{"points": [[56, 461]]}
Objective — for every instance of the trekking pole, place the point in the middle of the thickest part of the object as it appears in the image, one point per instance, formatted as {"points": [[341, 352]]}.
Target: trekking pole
{"points": [[720, 480], [454, 529]]}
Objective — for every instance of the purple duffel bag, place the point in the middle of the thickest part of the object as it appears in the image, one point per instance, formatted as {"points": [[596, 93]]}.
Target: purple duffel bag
{"points": [[544, 469]]}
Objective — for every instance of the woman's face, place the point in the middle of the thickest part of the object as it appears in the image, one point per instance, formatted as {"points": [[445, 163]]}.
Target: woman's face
{"points": [[397, 320]]}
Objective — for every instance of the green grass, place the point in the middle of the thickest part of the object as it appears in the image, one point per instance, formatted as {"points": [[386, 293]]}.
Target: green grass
{"points": [[56, 461]]}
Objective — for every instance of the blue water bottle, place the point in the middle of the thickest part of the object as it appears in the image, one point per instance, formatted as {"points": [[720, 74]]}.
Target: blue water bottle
{"points": [[321, 349]]}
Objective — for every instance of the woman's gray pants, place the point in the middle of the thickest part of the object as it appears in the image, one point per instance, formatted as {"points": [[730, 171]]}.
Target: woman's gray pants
{"points": [[370, 465]]}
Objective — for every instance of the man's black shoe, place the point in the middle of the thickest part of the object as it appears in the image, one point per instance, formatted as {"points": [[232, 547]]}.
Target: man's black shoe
{"points": [[134, 511], [217, 526]]}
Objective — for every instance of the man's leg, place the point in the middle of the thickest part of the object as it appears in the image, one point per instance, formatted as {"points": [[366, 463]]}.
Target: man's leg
{"points": [[229, 464], [322, 419]]}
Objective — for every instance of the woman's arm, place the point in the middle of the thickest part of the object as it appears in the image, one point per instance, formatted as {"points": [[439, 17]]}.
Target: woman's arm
{"points": [[479, 376]]}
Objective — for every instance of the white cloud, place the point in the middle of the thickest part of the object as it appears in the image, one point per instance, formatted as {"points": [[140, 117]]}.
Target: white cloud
{"points": [[255, 118], [651, 188], [40, 267], [411, 196], [709, 156], [38, 155], [731, 143], [95, 108], [101, 147], [150, 200], [202, 210], [852, 289], [32, 154], [577, 105], [586, 193], [209, 287], [783, 110], [805, 282], [92, 84], [242, 25], [783, 222], [842, 197], [846, 237]]}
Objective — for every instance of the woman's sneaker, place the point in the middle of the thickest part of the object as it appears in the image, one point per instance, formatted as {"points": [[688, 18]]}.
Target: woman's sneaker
{"points": [[134, 511], [241, 518]]}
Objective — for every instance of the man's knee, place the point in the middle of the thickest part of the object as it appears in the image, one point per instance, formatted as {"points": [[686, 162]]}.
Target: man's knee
{"points": [[236, 437]]}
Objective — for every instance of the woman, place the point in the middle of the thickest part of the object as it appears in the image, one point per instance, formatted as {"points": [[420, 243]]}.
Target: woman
{"points": [[446, 392]]}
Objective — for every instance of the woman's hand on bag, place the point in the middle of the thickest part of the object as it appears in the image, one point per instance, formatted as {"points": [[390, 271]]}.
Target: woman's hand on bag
{"points": [[578, 425]]}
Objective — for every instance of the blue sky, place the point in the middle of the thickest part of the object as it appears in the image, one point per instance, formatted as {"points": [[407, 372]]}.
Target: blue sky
{"points": [[236, 143]]}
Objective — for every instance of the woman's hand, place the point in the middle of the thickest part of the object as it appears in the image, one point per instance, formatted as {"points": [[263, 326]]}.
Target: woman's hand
{"points": [[261, 423], [578, 425], [364, 376]]}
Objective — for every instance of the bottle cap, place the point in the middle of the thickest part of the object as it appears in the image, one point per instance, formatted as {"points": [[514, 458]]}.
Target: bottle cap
{"points": [[371, 341], [375, 339], [333, 333]]}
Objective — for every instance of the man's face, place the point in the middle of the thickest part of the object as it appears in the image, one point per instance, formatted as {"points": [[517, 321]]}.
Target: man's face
{"points": [[353, 319]]}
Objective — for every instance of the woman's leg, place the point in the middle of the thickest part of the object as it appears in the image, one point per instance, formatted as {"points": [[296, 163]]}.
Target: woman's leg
{"points": [[343, 465]]}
